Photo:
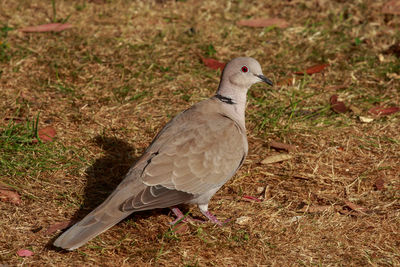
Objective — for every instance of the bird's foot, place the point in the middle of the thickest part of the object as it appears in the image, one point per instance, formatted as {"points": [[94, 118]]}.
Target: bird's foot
{"points": [[180, 217], [214, 219]]}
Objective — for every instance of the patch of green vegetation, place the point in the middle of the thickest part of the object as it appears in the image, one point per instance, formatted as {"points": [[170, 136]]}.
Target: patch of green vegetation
{"points": [[311, 26], [209, 50], [19, 154], [171, 235], [273, 115], [90, 57], [22, 154], [80, 7], [121, 94], [65, 89], [202, 235], [184, 95], [241, 236]]}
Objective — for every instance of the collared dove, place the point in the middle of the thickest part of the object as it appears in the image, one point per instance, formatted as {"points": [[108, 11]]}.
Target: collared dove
{"points": [[188, 161]]}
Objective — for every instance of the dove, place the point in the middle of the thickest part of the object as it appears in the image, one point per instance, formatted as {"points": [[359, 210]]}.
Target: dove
{"points": [[187, 162]]}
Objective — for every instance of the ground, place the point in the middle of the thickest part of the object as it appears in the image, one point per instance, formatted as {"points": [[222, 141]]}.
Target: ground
{"points": [[108, 85]]}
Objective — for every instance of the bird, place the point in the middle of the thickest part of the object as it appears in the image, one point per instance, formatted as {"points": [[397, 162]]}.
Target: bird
{"points": [[187, 162]]}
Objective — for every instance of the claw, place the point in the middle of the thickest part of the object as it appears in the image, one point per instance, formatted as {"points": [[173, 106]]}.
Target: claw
{"points": [[180, 217], [214, 219]]}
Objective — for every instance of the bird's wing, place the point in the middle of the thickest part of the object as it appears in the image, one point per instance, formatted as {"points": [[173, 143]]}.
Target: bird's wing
{"points": [[200, 154]]}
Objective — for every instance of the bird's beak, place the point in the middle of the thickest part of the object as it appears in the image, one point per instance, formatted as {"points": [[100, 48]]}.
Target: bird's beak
{"points": [[264, 79]]}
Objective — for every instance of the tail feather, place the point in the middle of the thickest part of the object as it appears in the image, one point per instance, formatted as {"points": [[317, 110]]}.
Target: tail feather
{"points": [[100, 219], [80, 233]]}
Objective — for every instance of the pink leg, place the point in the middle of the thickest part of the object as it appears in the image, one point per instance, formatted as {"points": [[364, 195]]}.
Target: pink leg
{"points": [[204, 209], [179, 216], [212, 217]]}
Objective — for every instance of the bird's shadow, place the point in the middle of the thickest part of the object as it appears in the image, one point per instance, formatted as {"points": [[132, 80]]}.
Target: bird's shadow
{"points": [[106, 173]]}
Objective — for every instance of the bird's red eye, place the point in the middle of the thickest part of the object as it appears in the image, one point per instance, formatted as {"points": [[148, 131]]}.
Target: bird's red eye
{"points": [[245, 69]]}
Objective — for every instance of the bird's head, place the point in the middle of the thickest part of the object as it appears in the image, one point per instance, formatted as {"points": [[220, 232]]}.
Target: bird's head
{"points": [[243, 72]]}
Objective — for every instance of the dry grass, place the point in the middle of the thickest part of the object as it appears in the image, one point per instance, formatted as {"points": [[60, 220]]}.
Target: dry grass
{"points": [[110, 83]]}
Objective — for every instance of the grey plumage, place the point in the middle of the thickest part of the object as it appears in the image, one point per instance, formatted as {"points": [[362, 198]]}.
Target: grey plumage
{"points": [[188, 161]]}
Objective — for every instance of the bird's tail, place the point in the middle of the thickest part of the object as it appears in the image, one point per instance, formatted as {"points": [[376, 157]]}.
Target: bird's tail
{"points": [[99, 220]]}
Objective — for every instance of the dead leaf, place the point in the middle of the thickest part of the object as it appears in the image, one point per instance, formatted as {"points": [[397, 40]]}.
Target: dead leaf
{"points": [[315, 209], [392, 7], [333, 99], [52, 27], [58, 226], [313, 69], [243, 220], [46, 134], [260, 189], [282, 146], [381, 111], [247, 198], [261, 23], [355, 207], [365, 119], [24, 253], [380, 184], [337, 106], [213, 64], [8, 194], [276, 158], [295, 219]]}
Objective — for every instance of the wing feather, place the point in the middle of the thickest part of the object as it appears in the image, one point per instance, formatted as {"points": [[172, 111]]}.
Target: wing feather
{"points": [[201, 157]]}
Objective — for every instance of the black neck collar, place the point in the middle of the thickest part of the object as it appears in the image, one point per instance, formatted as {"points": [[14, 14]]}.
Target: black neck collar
{"points": [[225, 99]]}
